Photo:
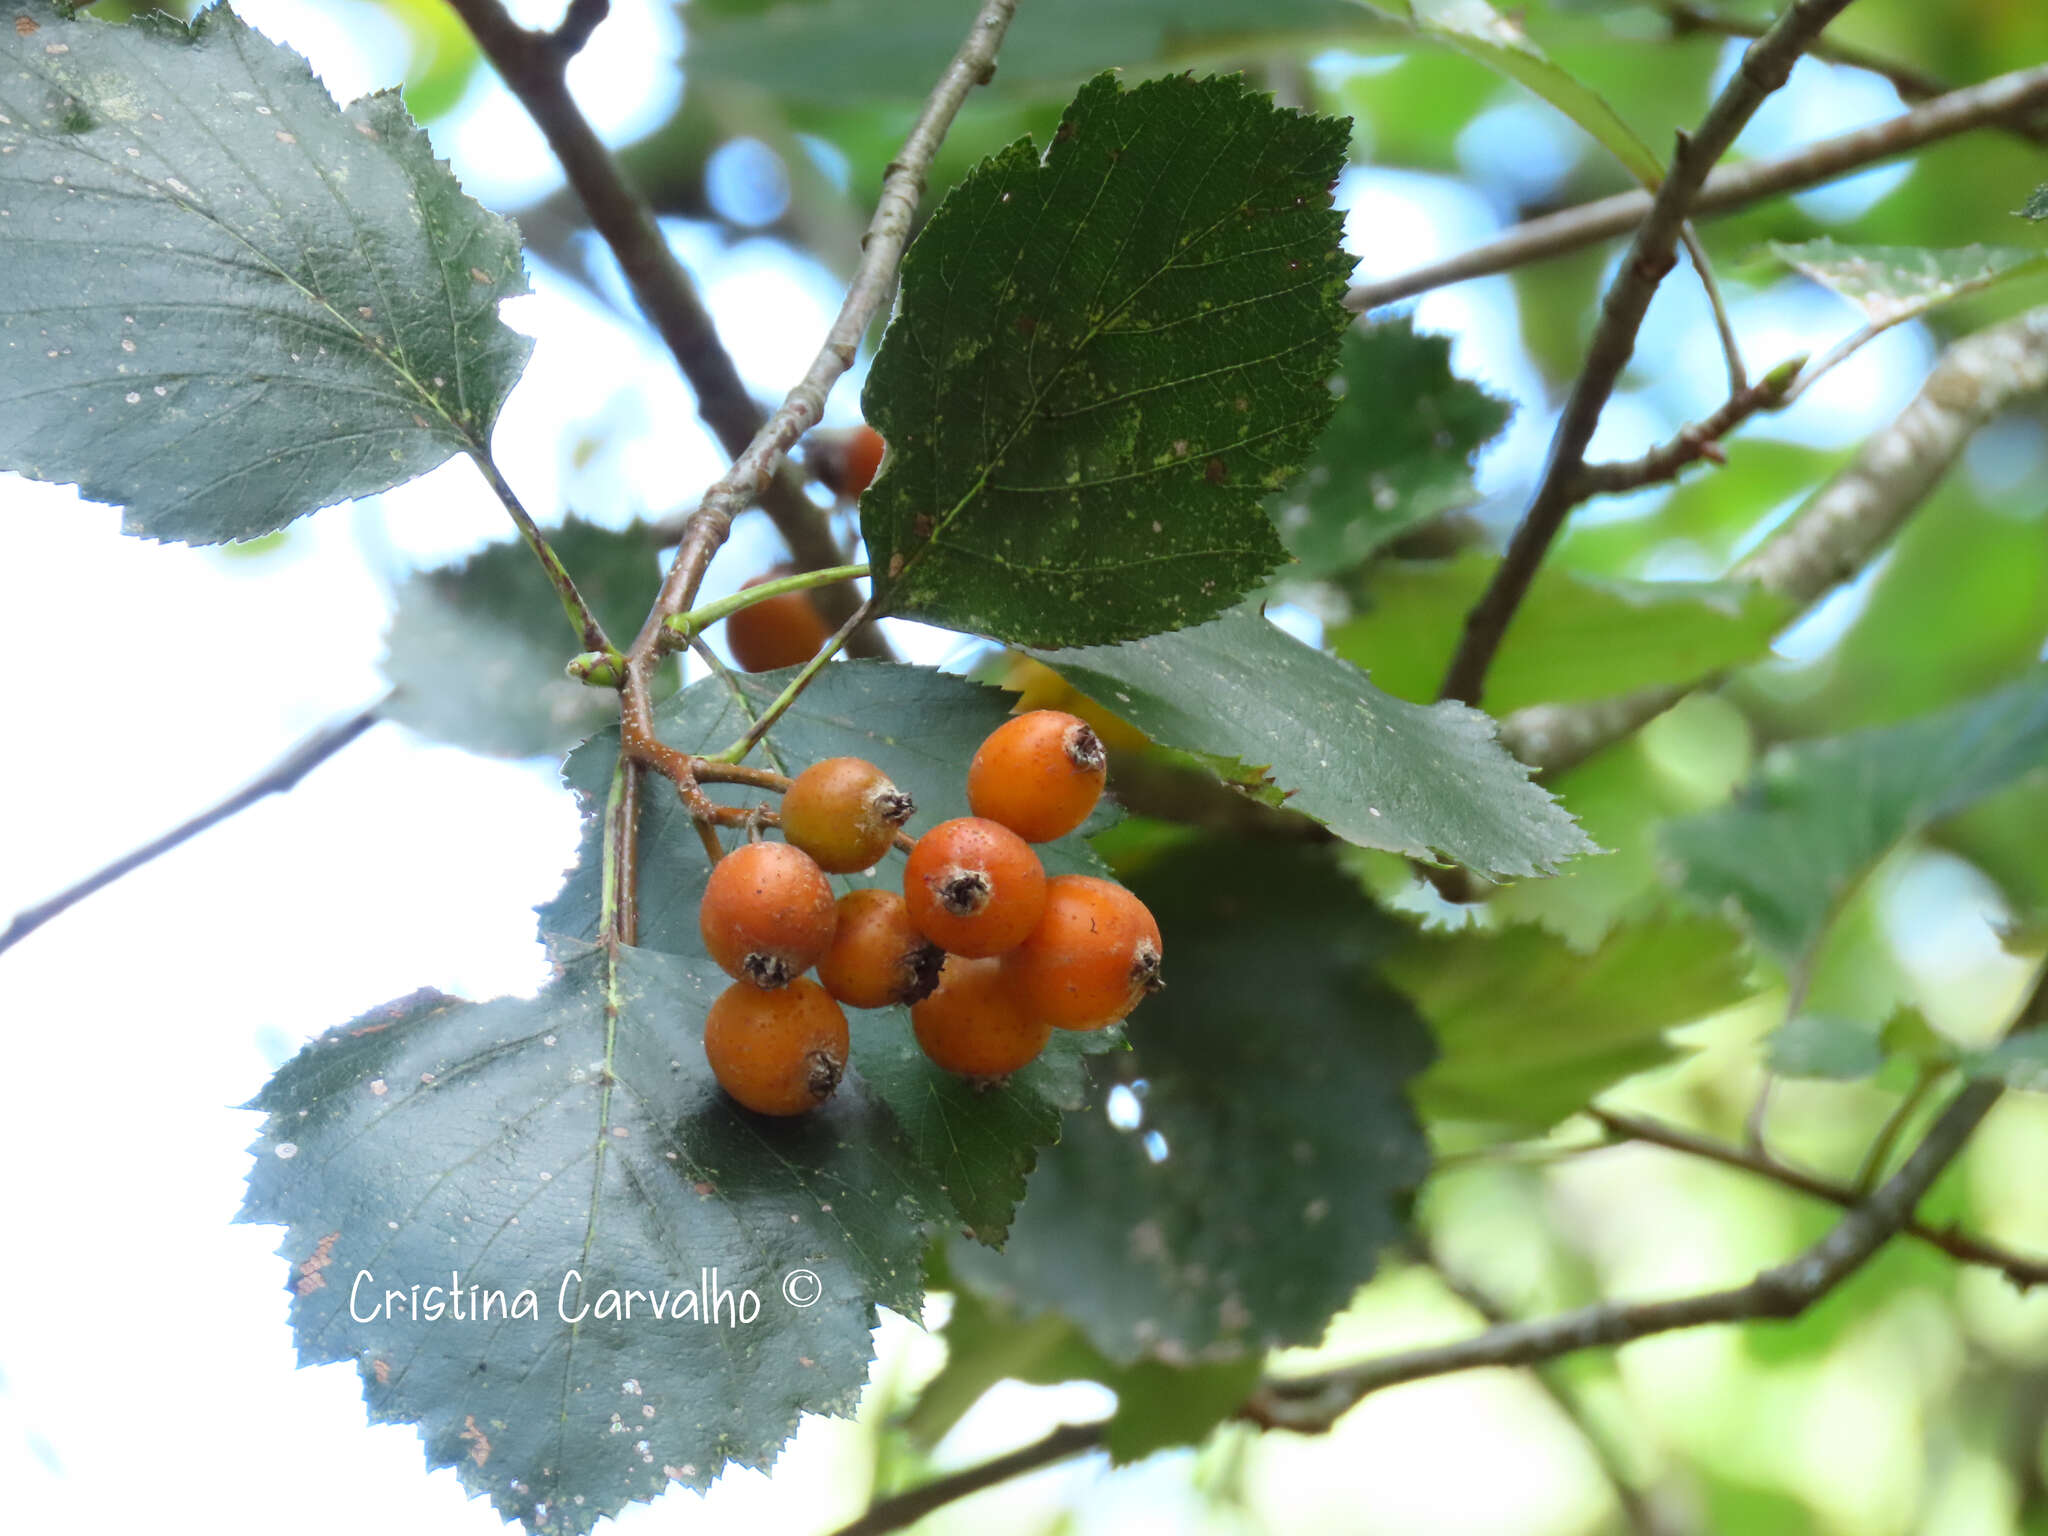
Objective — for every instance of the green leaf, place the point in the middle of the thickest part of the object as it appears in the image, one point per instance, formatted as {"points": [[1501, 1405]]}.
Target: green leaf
{"points": [[236, 301], [1825, 1045], [1276, 1149], [568, 1146], [477, 648], [2019, 1062], [1575, 636], [1477, 30], [921, 728], [1158, 1405], [1821, 813], [1530, 1030], [1892, 283], [2036, 206], [1104, 363], [1378, 771], [847, 52], [1398, 449]]}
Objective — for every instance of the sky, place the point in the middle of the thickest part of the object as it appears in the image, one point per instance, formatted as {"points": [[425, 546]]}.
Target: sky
{"points": [[145, 1364]]}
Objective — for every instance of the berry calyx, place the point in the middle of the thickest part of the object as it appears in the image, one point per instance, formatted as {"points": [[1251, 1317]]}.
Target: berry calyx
{"points": [[1039, 774], [1093, 956], [780, 1052], [878, 959], [784, 631], [977, 1024], [973, 887], [844, 813], [767, 914]]}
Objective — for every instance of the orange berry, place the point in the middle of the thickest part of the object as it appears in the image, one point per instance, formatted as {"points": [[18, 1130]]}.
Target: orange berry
{"points": [[877, 959], [973, 887], [1093, 956], [844, 813], [976, 1024], [1038, 774], [784, 631], [767, 913], [780, 1052], [845, 461]]}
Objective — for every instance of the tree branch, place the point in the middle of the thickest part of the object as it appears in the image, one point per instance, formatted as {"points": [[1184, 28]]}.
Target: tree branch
{"points": [[1839, 530], [1700, 440], [280, 776], [882, 249], [1782, 1292], [534, 67], [2021, 1271], [1765, 66], [2002, 99], [582, 18], [913, 1504]]}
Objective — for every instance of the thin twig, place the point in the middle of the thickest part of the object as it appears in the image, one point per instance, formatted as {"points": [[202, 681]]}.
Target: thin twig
{"points": [[580, 615], [533, 66], [779, 705], [1730, 187], [913, 1504], [1886, 1141], [2019, 1269], [881, 252], [583, 18], [1731, 347], [1700, 440], [1765, 66], [1839, 531], [280, 776], [1781, 1292]]}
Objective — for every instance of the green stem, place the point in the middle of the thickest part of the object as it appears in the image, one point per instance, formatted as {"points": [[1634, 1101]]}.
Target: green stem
{"points": [[580, 617], [686, 625], [615, 875], [775, 711]]}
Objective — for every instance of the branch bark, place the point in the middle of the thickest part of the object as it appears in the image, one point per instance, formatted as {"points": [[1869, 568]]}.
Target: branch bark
{"points": [[1836, 534], [280, 776], [534, 68], [2005, 98], [1765, 66]]}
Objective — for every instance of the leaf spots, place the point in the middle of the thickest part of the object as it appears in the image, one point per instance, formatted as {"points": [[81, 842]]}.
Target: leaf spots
{"points": [[1216, 472], [479, 1443], [26, 26], [310, 1279]]}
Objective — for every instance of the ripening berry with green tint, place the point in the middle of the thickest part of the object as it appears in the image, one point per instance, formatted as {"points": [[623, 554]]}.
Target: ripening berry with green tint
{"points": [[780, 1052], [973, 887], [1092, 957], [977, 1024], [878, 959], [1039, 774], [844, 813], [767, 913]]}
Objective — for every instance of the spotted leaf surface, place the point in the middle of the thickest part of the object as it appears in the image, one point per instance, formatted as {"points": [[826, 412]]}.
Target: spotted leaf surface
{"points": [[245, 302]]}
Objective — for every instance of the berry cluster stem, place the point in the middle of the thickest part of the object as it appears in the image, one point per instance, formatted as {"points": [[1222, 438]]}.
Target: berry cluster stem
{"points": [[683, 627]]}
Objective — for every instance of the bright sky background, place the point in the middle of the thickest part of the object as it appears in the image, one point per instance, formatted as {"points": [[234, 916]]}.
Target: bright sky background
{"points": [[146, 1370]]}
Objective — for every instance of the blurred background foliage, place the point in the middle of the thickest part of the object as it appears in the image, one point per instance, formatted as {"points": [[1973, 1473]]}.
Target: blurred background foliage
{"points": [[1915, 1400]]}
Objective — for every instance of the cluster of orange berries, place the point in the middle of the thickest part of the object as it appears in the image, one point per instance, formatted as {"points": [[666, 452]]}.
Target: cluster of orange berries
{"points": [[990, 955]]}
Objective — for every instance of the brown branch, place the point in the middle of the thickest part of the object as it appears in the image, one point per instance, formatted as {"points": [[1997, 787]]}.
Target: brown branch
{"points": [[582, 18], [1765, 66], [1781, 1292], [280, 776], [1839, 531], [534, 67], [913, 1504], [882, 249], [1700, 440], [2022, 1271], [2004, 98]]}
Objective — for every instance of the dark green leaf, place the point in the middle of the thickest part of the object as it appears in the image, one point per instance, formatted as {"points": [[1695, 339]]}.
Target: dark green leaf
{"points": [[237, 302], [477, 648], [1157, 1405], [1276, 1150], [2019, 1062], [573, 1145], [1575, 636], [1531, 1031], [921, 728], [1398, 449], [1104, 363], [1378, 771], [853, 51], [1823, 812]]}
